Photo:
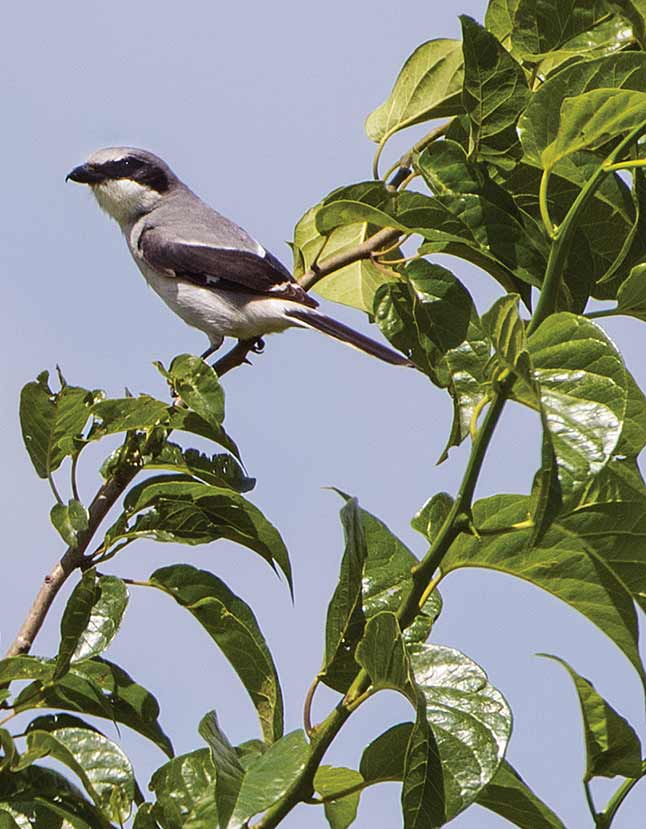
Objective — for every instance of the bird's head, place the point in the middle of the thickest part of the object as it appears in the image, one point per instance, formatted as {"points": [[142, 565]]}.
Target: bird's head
{"points": [[126, 182]]}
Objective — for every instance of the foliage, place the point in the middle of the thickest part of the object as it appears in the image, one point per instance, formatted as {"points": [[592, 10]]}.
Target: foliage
{"points": [[536, 177]]}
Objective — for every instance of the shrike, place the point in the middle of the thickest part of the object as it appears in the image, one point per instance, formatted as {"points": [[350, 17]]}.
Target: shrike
{"points": [[207, 270]]}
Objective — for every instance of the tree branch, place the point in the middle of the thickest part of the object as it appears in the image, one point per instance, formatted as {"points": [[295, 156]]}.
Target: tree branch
{"points": [[364, 250]]}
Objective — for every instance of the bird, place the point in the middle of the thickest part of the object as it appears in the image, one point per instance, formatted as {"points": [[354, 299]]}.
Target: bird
{"points": [[206, 268]]}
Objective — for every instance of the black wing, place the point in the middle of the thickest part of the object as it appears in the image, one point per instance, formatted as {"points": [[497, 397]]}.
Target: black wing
{"points": [[222, 268]]}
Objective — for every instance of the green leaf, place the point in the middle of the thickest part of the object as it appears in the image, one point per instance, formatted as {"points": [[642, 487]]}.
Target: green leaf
{"points": [[70, 520], [269, 776], [560, 563], [540, 124], [219, 470], [432, 319], [446, 169], [583, 394], [229, 772], [185, 792], [345, 616], [174, 508], [232, 625], [196, 383], [51, 421], [387, 578], [590, 120], [631, 297], [75, 619], [100, 764], [430, 518], [469, 718], [499, 17], [94, 686], [42, 797], [509, 796], [329, 780], [355, 284], [105, 618], [91, 618], [183, 420], [6, 821], [494, 95], [507, 333], [612, 747], [428, 86], [125, 414], [383, 758], [9, 754], [541, 26]]}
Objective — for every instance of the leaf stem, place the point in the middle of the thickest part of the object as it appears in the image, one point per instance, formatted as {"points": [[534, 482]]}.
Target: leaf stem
{"points": [[590, 801], [605, 818], [54, 488], [543, 204], [9, 717], [307, 706], [609, 312], [75, 489], [560, 249], [626, 165], [358, 787]]}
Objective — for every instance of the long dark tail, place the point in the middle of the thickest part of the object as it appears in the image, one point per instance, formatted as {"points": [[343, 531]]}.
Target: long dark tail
{"points": [[336, 329]]}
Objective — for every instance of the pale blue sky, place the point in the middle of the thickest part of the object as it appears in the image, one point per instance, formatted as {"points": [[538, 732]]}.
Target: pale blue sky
{"points": [[260, 108]]}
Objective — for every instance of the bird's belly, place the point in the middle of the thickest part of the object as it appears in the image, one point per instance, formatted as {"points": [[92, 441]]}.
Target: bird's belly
{"points": [[221, 313]]}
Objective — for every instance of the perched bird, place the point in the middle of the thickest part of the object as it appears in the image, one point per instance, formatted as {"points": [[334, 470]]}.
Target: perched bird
{"points": [[207, 270]]}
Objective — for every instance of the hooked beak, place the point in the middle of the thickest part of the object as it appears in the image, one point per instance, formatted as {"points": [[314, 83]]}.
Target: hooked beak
{"points": [[85, 174]]}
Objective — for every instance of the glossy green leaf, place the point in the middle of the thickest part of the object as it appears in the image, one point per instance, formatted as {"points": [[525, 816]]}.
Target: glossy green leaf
{"points": [[541, 121], [75, 619], [631, 297], [42, 797], [430, 518], [70, 520], [232, 625], [345, 616], [462, 727], [91, 618], [184, 420], [105, 618], [428, 86], [185, 792], [329, 780], [144, 817], [51, 421], [470, 720], [583, 394], [269, 776], [94, 686], [612, 746], [590, 120], [197, 385], [432, 319], [100, 764], [219, 470], [355, 284], [507, 333], [560, 563], [387, 578], [509, 796], [495, 93], [541, 26], [173, 508], [229, 772], [383, 758], [124, 414]]}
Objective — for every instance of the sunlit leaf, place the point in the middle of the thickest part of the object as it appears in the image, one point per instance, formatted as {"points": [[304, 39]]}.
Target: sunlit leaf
{"points": [[509, 796], [185, 792], [70, 520], [329, 780], [612, 746], [229, 772]]}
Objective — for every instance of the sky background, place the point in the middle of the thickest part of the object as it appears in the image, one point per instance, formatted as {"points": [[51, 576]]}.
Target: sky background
{"points": [[260, 108]]}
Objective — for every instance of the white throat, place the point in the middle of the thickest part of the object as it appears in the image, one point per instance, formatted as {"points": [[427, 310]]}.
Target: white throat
{"points": [[124, 199]]}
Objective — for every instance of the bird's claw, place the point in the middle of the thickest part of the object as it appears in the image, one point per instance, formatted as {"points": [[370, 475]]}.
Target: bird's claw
{"points": [[259, 346]]}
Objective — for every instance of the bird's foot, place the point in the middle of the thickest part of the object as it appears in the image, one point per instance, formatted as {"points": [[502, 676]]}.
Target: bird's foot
{"points": [[258, 346]]}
